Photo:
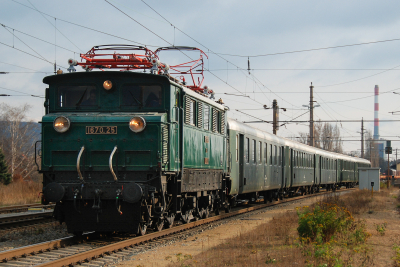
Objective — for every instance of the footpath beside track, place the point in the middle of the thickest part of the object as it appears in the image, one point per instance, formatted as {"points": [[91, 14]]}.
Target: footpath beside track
{"points": [[72, 250]]}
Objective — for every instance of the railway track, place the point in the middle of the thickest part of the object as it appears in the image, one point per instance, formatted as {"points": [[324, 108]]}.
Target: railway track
{"points": [[25, 219], [72, 250], [25, 207]]}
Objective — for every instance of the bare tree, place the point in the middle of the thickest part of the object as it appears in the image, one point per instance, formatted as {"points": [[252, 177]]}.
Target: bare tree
{"points": [[17, 140], [326, 136]]}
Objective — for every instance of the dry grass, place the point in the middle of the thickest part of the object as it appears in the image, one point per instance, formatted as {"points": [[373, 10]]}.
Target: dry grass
{"points": [[20, 192], [270, 243], [275, 243]]}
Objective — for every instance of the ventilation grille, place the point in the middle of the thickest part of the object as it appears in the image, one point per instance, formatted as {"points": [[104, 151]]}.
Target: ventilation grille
{"points": [[165, 144], [222, 122], [188, 102], [214, 120], [200, 115]]}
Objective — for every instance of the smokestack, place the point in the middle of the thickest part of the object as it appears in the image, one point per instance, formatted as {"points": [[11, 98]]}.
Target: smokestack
{"points": [[376, 115]]}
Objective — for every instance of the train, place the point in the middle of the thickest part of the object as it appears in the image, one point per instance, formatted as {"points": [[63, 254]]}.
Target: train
{"points": [[132, 147]]}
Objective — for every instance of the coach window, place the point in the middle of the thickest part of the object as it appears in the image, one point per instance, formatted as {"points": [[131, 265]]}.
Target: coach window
{"points": [[254, 150], [265, 153], [270, 151], [207, 118], [275, 152], [260, 152], [237, 148], [247, 150]]}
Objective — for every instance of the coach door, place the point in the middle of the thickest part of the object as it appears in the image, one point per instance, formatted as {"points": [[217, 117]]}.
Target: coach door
{"points": [[241, 162]]}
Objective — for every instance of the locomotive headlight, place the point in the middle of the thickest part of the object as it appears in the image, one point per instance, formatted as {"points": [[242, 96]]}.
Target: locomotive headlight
{"points": [[137, 124], [61, 124], [107, 85]]}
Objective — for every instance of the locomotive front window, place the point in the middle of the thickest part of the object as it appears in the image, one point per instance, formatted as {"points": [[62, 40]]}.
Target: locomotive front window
{"points": [[77, 96], [147, 96]]}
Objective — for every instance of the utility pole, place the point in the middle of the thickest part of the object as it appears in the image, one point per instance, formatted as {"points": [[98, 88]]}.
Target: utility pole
{"points": [[275, 121], [311, 115], [362, 138]]}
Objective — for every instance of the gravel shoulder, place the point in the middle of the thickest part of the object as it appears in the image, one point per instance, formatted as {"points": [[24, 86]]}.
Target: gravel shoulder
{"points": [[216, 234]]}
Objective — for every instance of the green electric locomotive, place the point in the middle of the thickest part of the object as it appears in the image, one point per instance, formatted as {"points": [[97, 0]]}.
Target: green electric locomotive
{"points": [[128, 150]]}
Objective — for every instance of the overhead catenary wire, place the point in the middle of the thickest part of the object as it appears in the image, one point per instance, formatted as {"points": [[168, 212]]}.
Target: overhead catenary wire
{"points": [[244, 71], [171, 44], [88, 28], [30, 54], [5, 26], [54, 26], [37, 53], [26, 94], [311, 49]]}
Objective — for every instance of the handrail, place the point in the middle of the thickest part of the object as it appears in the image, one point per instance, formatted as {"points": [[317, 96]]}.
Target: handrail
{"points": [[36, 151], [78, 161], [110, 163]]}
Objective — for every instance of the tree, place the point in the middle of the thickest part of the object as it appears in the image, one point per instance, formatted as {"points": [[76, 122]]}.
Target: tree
{"points": [[5, 177], [326, 136], [17, 138]]}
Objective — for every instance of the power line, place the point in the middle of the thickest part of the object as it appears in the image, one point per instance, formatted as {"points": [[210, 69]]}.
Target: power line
{"points": [[28, 53], [20, 67], [172, 44], [369, 76], [5, 26], [26, 94], [241, 69], [88, 28], [55, 27], [37, 53], [312, 49], [304, 69]]}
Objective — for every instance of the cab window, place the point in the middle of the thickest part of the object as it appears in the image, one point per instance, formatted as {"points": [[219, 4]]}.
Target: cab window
{"points": [[73, 96], [142, 96]]}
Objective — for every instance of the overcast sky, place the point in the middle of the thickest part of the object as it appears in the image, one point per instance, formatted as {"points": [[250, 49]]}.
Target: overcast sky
{"points": [[344, 77]]}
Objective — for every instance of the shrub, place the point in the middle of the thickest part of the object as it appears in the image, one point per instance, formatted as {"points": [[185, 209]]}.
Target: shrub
{"points": [[323, 222]]}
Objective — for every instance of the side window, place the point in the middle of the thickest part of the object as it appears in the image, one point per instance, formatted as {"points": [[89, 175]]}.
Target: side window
{"points": [[247, 149], [254, 150], [237, 147], [206, 117], [260, 152], [270, 151], [265, 153], [275, 155]]}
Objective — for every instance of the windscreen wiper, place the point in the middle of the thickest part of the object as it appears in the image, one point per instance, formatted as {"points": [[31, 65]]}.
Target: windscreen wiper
{"points": [[81, 99], [140, 103]]}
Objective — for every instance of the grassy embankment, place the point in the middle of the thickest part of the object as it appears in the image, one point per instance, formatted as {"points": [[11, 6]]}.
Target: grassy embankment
{"points": [[350, 230], [20, 192]]}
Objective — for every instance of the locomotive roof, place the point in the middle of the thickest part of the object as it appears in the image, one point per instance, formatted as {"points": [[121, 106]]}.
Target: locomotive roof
{"points": [[238, 126], [103, 74]]}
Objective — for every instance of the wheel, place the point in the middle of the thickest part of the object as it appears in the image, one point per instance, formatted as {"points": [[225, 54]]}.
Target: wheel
{"points": [[186, 216], [216, 211], [142, 229], [169, 221], [159, 225]]}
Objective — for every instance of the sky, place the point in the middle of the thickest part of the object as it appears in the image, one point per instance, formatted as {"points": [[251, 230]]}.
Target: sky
{"points": [[282, 40]]}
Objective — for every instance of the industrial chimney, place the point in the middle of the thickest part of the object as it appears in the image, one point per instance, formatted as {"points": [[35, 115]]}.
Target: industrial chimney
{"points": [[376, 114]]}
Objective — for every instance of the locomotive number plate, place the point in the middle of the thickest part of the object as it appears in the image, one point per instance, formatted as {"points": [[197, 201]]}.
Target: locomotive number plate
{"points": [[101, 129]]}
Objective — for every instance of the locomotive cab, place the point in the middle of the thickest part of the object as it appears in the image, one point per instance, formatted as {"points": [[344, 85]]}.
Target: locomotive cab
{"points": [[105, 145]]}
